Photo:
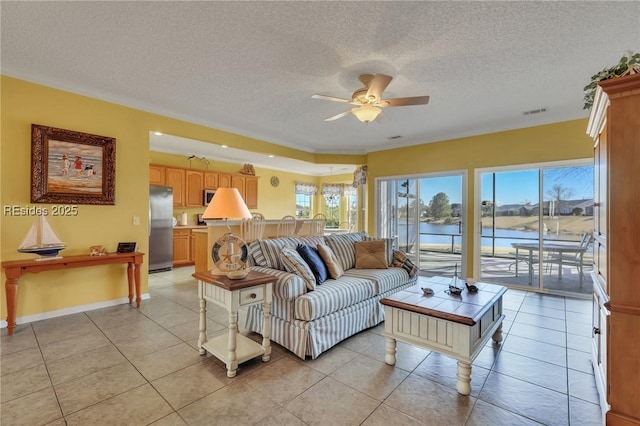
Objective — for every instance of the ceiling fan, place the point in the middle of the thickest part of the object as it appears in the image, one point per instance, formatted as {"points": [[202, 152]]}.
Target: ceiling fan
{"points": [[369, 99]]}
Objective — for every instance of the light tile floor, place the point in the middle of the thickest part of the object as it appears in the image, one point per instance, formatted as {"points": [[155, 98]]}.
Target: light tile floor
{"points": [[127, 366]]}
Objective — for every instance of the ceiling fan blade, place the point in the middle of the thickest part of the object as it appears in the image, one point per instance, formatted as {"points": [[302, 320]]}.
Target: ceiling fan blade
{"points": [[415, 100], [335, 117], [330, 98], [377, 86]]}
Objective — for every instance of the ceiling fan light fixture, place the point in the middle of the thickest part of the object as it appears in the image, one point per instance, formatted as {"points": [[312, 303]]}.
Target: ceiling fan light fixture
{"points": [[366, 113]]}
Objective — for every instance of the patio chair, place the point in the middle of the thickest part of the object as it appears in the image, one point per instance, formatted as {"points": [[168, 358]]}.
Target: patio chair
{"points": [[572, 258]]}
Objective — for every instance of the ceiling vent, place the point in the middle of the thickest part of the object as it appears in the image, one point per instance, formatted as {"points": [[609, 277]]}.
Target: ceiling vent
{"points": [[390, 138], [535, 111]]}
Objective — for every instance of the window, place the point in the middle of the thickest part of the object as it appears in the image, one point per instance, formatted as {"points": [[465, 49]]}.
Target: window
{"points": [[303, 206], [332, 210], [352, 207], [536, 226], [332, 196], [304, 192]]}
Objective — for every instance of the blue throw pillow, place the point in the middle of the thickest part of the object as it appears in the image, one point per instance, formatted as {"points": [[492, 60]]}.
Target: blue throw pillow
{"points": [[315, 262]]}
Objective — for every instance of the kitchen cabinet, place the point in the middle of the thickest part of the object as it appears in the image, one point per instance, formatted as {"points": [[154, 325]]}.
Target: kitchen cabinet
{"points": [[156, 175], [194, 184], [184, 244], [175, 178], [251, 192], [210, 180], [248, 188], [224, 180], [188, 184], [182, 247], [613, 125]]}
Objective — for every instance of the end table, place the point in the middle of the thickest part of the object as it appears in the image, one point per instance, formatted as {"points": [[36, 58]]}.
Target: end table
{"points": [[235, 348]]}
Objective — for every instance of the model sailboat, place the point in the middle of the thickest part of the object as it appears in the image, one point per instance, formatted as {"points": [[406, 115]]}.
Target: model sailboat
{"points": [[41, 240]]}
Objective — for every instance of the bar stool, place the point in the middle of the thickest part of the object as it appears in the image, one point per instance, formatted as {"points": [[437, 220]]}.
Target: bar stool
{"points": [[286, 227]]}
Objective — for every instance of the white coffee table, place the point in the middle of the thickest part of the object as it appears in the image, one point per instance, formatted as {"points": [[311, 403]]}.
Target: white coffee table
{"points": [[456, 326]]}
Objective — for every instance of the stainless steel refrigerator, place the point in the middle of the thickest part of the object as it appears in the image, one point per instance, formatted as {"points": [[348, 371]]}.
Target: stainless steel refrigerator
{"points": [[160, 228]]}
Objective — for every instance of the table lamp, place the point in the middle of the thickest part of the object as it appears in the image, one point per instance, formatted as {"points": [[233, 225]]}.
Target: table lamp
{"points": [[230, 253]]}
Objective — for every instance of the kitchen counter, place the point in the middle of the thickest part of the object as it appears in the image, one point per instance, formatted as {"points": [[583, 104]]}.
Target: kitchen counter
{"points": [[232, 222]]}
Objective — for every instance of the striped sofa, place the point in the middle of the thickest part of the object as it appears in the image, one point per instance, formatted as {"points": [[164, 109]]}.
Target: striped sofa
{"points": [[308, 322]]}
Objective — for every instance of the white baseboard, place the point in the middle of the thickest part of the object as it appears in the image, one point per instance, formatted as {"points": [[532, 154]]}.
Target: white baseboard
{"points": [[73, 310]]}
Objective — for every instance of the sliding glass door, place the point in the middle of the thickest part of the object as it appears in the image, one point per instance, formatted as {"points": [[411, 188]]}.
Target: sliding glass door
{"points": [[536, 225], [424, 215]]}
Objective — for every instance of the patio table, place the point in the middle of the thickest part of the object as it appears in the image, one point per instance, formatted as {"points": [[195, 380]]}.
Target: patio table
{"points": [[559, 248]]}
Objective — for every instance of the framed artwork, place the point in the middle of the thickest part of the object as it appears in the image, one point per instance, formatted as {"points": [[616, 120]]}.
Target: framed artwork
{"points": [[70, 167]]}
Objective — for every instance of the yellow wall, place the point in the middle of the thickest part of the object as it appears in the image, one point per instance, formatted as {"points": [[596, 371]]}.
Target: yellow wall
{"points": [[554, 142], [23, 103]]}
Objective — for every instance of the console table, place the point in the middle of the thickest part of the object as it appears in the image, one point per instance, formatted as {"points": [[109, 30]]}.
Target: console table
{"points": [[14, 269]]}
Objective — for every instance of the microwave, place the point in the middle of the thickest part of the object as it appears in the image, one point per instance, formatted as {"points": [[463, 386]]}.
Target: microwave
{"points": [[208, 195]]}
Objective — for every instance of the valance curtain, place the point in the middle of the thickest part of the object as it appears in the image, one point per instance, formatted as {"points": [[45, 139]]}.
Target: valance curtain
{"points": [[306, 188], [337, 189], [360, 176], [349, 190], [332, 189]]}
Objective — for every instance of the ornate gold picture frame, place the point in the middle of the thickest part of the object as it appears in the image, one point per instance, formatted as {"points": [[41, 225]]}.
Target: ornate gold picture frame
{"points": [[70, 167]]}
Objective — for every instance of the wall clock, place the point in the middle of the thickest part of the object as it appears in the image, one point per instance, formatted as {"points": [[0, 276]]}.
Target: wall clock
{"points": [[275, 181], [230, 253]]}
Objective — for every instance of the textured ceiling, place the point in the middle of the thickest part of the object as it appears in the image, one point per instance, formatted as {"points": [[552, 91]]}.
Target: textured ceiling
{"points": [[251, 67]]}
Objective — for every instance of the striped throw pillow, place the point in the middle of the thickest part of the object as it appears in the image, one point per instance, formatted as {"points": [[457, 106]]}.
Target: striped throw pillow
{"points": [[270, 251], [295, 264]]}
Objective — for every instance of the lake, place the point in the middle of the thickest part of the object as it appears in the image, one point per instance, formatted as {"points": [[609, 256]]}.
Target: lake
{"points": [[505, 237]]}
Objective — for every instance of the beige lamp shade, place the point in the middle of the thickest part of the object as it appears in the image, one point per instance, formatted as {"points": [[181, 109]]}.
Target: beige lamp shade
{"points": [[227, 203]]}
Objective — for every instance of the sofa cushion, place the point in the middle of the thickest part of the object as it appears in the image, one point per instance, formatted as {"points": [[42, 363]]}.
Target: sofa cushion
{"points": [[384, 279], [312, 240], [267, 253], [295, 264], [315, 262], [389, 246], [330, 260], [371, 254], [332, 296], [342, 247]]}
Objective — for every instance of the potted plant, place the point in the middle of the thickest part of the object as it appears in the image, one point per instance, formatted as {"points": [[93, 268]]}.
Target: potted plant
{"points": [[629, 64]]}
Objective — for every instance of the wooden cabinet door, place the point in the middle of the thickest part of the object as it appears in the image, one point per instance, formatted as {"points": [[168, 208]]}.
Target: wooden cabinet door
{"points": [[194, 186], [251, 192], [238, 182], [600, 210], [210, 180], [601, 194], [224, 180], [175, 179], [181, 247], [156, 175]]}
